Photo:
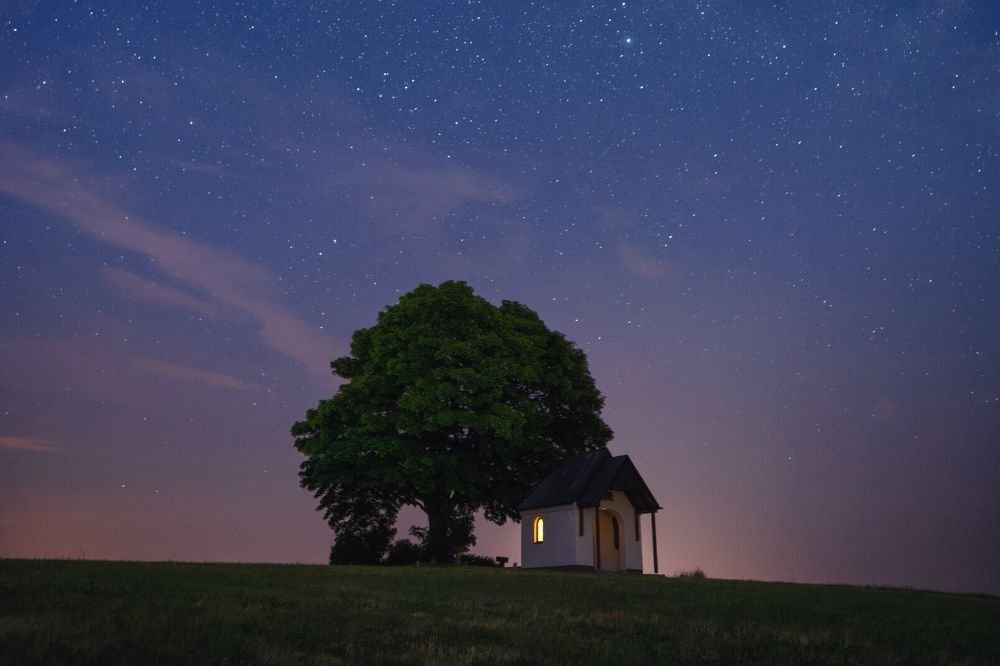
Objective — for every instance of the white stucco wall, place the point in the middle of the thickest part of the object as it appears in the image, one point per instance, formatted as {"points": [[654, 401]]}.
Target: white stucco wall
{"points": [[585, 544], [557, 549], [563, 544]]}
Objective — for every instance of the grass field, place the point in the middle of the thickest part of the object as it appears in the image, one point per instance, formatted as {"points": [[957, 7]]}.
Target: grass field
{"points": [[129, 612]]}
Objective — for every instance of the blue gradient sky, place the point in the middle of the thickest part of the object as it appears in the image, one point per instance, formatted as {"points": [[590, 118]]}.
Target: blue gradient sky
{"points": [[772, 227]]}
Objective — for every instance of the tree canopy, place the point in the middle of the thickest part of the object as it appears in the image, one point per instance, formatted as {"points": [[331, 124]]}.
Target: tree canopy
{"points": [[451, 404]]}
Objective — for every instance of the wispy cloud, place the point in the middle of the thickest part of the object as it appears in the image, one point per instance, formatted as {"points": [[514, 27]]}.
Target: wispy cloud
{"points": [[403, 187], [420, 194], [154, 293], [31, 444], [188, 374], [641, 263], [224, 278], [216, 170]]}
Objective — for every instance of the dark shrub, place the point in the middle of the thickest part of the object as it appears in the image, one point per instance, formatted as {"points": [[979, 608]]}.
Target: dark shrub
{"points": [[696, 574], [456, 539], [404, 551], [477, 560], [362, 547]]}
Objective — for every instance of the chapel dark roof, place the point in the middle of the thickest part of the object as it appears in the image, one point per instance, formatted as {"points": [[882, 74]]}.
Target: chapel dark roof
{"points": [[582, 479]]}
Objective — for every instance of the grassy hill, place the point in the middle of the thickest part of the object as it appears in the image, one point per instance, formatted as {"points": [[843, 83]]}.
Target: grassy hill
{"points": [[129, 612]]}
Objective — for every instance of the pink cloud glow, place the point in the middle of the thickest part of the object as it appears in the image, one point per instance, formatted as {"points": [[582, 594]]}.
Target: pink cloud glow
{"points": [[187, 374], [150, 292], [224, 278], [31, 444]]}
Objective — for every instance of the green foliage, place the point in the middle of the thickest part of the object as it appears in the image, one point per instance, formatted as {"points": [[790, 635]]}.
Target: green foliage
{"points": [[363, 529], [74, 612], [456, 536], [451, 404]]}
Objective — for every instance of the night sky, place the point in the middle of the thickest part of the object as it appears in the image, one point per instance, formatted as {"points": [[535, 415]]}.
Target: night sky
{"points": [[772, 227]]}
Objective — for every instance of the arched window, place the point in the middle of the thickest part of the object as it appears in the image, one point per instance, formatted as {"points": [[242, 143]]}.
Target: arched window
{"points": [[614, 532], [539, 530]]}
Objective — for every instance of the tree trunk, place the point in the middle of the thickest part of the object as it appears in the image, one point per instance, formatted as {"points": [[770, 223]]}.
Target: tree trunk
{"points": [[439, 543]]}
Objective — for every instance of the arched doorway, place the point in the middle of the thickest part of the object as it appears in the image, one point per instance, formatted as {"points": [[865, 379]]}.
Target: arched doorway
{"points": [[612, 540]]}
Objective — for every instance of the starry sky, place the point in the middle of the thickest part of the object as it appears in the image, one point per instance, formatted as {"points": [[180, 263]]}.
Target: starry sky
{"points": [[773, 228]]}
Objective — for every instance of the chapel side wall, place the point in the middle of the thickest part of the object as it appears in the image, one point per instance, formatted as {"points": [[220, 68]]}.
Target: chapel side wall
{"points": [[585, 543], [558, 547]]}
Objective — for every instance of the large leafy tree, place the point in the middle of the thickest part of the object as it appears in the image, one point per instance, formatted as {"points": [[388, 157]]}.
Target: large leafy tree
{"points": [[451, 404]]}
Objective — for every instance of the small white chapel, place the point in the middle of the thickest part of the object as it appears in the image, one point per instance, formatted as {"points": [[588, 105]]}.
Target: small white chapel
{"points": [[586, 515]]}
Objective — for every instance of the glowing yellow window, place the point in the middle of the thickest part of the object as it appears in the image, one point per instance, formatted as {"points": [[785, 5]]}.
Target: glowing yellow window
{"points": [[539, 530]]}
